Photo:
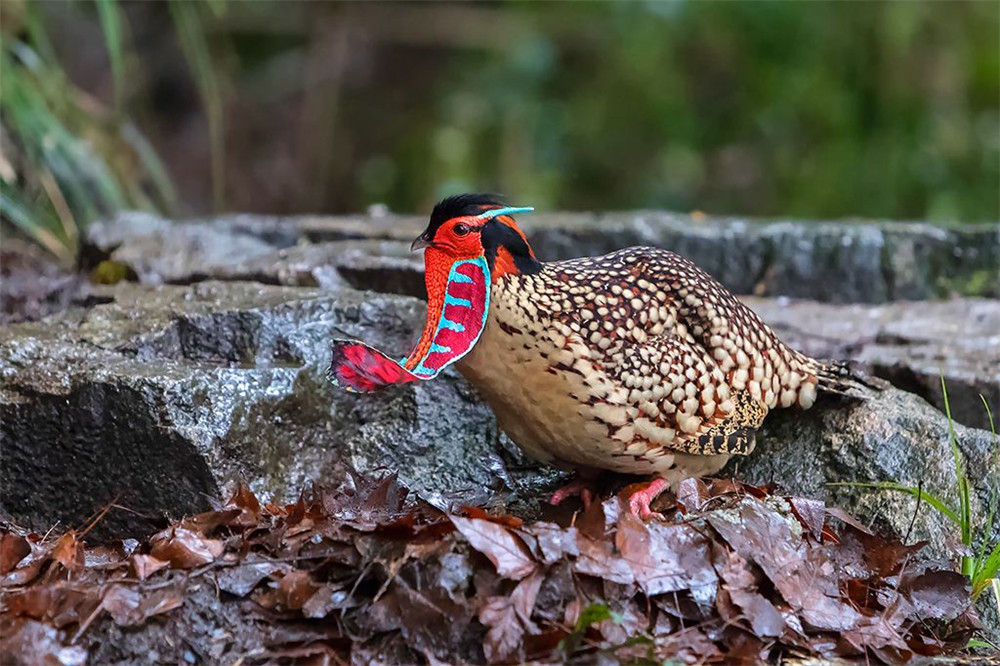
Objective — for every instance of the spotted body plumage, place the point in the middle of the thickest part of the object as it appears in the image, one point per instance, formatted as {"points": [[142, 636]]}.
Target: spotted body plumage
{"points": [[635, 361]]}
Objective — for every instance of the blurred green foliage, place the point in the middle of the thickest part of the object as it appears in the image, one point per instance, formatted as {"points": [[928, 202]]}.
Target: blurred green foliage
{"points": [[67, 158], [766, 108], [815, 110]]}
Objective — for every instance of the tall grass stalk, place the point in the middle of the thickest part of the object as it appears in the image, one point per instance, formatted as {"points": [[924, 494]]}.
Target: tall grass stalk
{"points": [[195, 47], [67, 158]]}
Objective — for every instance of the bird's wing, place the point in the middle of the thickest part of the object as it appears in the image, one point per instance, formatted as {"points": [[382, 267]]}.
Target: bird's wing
{"points": [[681, 399]]}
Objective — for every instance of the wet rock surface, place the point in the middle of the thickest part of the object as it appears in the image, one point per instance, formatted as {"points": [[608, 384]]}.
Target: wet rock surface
{"points": [[154, 400], [33, 285], [911, 343], [882, 435]]}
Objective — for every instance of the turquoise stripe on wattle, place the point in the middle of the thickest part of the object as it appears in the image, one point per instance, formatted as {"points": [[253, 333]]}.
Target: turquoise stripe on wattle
{"points": [[444, 323], [451, 300]]}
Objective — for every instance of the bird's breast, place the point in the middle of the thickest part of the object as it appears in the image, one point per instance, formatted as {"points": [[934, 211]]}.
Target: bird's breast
{"points": [[538, 382]]}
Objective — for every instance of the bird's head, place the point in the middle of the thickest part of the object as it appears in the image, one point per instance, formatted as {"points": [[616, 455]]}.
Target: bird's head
{"points": [[470, 241], [472, 226]]}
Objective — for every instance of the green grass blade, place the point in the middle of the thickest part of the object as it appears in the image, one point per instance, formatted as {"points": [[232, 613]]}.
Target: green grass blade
{"points": [[923, 495], [37, 33], [964, 503], [111, 23], [162, 184], [981, 555], [985, 571], [195, 48], [33, 223], [989, 415]]}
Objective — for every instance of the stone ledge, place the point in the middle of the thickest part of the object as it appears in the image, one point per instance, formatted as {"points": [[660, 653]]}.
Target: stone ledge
{"points": [[158, 397], [910, 343], [848, 262]]}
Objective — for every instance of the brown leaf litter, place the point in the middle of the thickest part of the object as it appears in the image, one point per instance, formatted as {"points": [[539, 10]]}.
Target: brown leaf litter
{"points": [[733, 575]]}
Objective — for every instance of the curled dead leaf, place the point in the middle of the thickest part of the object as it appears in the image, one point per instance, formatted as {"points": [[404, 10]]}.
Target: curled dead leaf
{"points": [[811, 513], [184, 548], [128, 607], [246, 502], [68, 551], [241, 578], [291, 592], [13, 549], [692, 494]]}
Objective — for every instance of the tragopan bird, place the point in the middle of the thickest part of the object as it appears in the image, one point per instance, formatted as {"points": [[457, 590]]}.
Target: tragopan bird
{"points": [[637, 362]]}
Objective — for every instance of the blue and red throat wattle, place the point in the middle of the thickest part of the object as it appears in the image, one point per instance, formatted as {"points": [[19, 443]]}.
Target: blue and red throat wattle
{"points": [[458, 302]]}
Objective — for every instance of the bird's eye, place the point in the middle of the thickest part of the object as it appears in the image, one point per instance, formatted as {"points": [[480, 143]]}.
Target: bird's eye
{"points": [[462, 230]]}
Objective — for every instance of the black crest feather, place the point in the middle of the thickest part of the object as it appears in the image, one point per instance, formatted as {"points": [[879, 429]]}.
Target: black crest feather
{"points": [[460, 205]]}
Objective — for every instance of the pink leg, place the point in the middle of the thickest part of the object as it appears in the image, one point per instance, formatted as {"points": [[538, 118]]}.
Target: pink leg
{"points": [[578, 486], [639, 501]]}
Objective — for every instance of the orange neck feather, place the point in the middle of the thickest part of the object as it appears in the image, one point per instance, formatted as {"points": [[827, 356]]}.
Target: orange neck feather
{"points": [[437, 266]]}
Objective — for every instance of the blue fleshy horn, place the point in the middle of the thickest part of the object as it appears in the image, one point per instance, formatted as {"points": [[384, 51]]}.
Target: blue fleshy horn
{"points": [[490, 214]]}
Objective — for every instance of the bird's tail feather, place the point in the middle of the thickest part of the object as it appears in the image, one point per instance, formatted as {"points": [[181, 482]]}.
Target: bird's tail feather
{"points": [[846, 378]]}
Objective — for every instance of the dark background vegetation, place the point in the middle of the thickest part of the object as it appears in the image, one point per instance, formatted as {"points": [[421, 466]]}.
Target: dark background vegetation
{"points": [[873, 109]]}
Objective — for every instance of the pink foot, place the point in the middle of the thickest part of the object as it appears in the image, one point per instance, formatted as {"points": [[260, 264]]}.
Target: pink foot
{"points": [[582, 487], [639, 501]]}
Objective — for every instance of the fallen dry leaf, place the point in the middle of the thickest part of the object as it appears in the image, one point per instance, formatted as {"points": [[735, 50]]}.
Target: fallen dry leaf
{"points": [[122, 604], [600, 559], [504, 629], [550, 542], [507, 552], [937, 594], [128, 607], [184, 548], [144, 566], [248, 506], [13, 549], [354, 574], [765, 620], [68, 551], [666, 558], [241, 578], [811, 513], [692, 494], [327, 599], [805, 577], [508, 618], [31, 642]]}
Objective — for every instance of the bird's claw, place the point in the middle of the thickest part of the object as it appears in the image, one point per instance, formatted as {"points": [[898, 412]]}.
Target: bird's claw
{"points": [[577, 487], [639, 501]]}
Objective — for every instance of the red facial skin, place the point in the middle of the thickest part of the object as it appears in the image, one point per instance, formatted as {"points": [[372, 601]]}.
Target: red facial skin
{"points": [[450, 243]]}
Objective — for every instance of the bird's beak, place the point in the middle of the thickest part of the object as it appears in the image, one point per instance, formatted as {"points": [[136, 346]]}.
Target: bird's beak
{"points": [[419, 243]]}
